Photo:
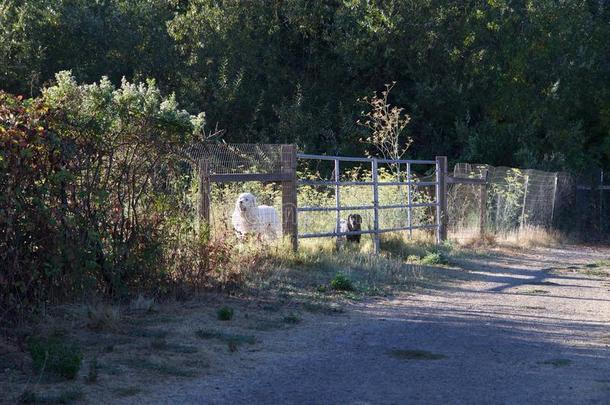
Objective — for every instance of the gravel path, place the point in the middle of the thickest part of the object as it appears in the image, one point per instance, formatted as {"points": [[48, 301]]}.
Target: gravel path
{"points": [[521, 328]]}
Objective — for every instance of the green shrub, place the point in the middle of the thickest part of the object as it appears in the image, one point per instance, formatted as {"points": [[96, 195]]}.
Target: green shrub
{"points": [[81, 169], [225, 314], [55, 355], [341, 283], [434, 258]]}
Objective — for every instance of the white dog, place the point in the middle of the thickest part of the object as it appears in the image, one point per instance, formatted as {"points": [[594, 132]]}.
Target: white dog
{"points": [[248, 218]]}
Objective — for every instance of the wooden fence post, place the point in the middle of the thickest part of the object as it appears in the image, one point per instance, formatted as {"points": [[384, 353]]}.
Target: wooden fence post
{"points": [[204, 192], [204, 204], [527, 180], [483, 207], [441, 198], [289, 194], [375, 178], [556, 177]]}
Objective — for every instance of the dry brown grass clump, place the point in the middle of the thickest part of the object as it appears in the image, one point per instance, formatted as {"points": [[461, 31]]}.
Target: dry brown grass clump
{"points": [[525, 237], [102, 317]]}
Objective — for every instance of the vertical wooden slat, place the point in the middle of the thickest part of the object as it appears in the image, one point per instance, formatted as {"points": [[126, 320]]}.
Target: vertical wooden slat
{"points": [[204, 204], [374, 174], [441, 198], [289, 194], [522, 221], [554, 197], [204, 192]]}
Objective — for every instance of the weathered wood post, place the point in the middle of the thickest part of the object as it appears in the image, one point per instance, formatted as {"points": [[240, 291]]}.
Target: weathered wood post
{"points": [[289, 194], [555, 179], [204, 192], [483, 206], [441, 198], [523, 219], [204, 204], [374, 177]]}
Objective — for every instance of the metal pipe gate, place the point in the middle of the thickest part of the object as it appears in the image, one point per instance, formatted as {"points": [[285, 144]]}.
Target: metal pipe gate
{"points": [[439, 184]]}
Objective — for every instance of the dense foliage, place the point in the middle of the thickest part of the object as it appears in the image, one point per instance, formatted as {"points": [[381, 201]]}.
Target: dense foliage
{"points": [[505, 82], [92, 192]]}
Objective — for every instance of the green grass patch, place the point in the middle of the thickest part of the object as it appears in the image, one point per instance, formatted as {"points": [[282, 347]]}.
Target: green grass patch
{"points": [[341, 282], [55, 355], [225, 314], [416, 355], [434, 258]]}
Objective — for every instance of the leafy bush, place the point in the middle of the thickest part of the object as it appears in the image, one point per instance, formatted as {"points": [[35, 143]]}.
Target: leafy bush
{"points": [[434, 258], [341, 283], [55, 355], [225, 314], [93, 192]]}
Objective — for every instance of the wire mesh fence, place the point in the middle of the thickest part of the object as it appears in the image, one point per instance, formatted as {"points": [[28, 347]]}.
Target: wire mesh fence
{"points": [[515, 199], [226, 158]]}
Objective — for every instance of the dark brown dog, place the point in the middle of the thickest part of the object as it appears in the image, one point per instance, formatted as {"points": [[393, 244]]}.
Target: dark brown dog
{"points": [[354, 223]]}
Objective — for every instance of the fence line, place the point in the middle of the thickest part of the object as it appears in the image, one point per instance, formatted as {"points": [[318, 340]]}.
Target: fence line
{"points": [[375, 184], [516, 198], [479, 197]]}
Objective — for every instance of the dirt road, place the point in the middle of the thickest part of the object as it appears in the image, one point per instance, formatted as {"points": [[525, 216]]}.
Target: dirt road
{"points": [[518, 328]]}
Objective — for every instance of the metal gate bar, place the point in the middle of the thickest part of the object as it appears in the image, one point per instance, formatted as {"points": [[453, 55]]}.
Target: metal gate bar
{"points": [[375, 184]]}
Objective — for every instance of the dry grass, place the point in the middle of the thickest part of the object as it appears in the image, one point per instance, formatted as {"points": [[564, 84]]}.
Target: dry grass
{"points": [[102, 317], [526, 237], [307, 275]]}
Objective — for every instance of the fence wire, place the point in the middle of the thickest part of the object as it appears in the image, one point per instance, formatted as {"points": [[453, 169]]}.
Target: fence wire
{"points": [[226, 158], [515, 198]]}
